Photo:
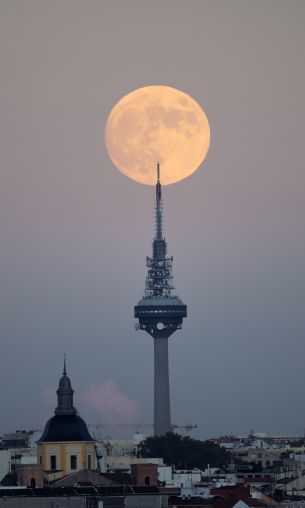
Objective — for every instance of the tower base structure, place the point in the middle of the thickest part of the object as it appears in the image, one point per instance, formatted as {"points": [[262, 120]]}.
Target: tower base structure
{"points": [[160, 318]]}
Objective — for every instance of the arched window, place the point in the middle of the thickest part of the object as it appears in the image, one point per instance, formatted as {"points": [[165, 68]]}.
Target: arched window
{"points": [[33, 483], [73, 462], [147, 480], [53, 462]]}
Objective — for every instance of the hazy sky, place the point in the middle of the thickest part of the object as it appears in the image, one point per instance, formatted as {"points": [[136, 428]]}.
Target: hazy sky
{"points": [[75, 232]]}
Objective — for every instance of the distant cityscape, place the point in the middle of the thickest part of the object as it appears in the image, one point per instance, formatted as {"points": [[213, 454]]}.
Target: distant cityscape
{"points": [[67, 465]]}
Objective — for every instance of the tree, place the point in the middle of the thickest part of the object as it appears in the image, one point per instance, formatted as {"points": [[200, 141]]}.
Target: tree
{"points": [[184, 452]]}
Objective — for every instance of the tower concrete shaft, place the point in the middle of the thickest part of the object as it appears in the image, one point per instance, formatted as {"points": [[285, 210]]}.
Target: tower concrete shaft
{"points": [[160, 314], [162, 416]]}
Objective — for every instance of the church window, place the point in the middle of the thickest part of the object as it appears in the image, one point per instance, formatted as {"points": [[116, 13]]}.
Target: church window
{"points": [[53, 462], [73, 462], [89, 461]]}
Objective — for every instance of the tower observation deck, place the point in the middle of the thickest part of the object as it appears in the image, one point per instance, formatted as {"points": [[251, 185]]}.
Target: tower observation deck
{"points": [[160, 314]]}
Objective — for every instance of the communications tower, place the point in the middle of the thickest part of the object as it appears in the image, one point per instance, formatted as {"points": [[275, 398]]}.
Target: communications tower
{"points": [[160, 314]]}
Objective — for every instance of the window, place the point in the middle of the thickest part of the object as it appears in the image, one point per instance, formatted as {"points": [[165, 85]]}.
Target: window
{"points": [[40, 459], [89, 461], [53, 462], [147, 480], [73, 462]]}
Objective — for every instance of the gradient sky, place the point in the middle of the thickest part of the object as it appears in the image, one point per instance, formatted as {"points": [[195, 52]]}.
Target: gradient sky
{"points": [[75, 232]]}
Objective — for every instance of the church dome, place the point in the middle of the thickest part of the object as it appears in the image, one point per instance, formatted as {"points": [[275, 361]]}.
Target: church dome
{"points": [[65, 383], [65, 427]]}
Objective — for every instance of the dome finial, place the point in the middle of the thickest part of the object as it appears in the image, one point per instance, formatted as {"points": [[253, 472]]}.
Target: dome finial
{"points": [[65, 369]]}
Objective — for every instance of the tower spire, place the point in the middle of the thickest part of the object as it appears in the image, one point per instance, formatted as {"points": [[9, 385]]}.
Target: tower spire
{"points": [[65, 394], [65, 369], [158, 206]]}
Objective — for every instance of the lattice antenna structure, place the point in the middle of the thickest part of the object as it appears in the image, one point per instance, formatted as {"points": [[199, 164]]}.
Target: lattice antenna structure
{"points": [[159, 280]]}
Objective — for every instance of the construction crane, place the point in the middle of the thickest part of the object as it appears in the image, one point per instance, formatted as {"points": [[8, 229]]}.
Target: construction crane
{"points": [[99, 426], [187, 427]]}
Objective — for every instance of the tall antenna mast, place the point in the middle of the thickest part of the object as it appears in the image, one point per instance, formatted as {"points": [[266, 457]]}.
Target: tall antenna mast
{"points": [[158, 206], [160, 314]]}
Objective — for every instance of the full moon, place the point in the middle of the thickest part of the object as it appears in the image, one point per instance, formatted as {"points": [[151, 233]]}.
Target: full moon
{"points": [[157, 124]]}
